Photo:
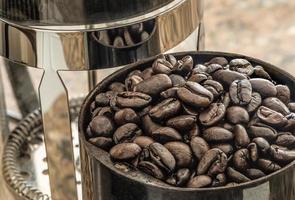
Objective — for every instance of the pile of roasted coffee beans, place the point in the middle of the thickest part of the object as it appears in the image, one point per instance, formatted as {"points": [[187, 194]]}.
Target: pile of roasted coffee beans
{"points": [[127, 36], [219, 123]]}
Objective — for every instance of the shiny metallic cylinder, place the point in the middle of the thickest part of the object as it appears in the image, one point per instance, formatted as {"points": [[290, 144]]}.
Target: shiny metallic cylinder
{"points": [[104, 181]]}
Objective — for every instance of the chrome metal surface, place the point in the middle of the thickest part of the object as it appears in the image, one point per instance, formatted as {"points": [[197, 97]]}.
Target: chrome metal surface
{"points": [[129, 184]]}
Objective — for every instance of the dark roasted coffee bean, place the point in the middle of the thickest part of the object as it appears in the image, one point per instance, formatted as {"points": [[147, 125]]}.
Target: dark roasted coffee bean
{"points": [[208, 159], [199, 77], [228, 126], [264, 87], [147, 73], [149, 125], [253, 151], [95, 112], [182, 122], [225, 99], [242, 66], [161, 66], [254, 173], [268, 166], [217, 60], [101, 126], [169, 93], [241, 92], [291, 106], [242, 139], [195, 95], [181, 152], [214, 87], [143, 141], [199, 181], [212, 115], [276, 105], [199, 147], [132, 100], [262, 144], [283, 93], [281, 155], [170, 58], [219, 165], [226, 148], [262, 130], [237, 115], [226, 77], [102, 142], [290, 122], [151, 169], [131, 81], [102, 99], [117, 87], [271, 117], [182, 176], [213, 68], [189, 110], [166, 134], [199, 68], [254, 103], [154, 85], [184, 66], [241, 159], [261, 73], [219, 180], [92, 106], [126, 133], [165, 109], [126, 115], [136, 72], [286, 139], [104, 111], [194, 132], [125, 151], [162, 157], [177, 80], [217, 134], [236, 176], [171, 180]]}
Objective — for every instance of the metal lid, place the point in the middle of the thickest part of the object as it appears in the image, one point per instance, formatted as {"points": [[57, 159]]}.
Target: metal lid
{"points": [[74, 12]]}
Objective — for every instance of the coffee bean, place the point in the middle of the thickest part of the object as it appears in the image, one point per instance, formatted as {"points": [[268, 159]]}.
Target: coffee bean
{"points": [[253, 151], [194, 132], [242, 66], [134, 100], [126, 115], [254, 173], [231, 184], [219, 165], [254, 103], [262, 130], [181, 152], [241, 159], [281, 155], [117, 87], [286, 139], [166, 134], [208, 159], [134, 72], [226, 77], [276, 105], [199, 181], [143, 141], [161, 66], [199, 77], [169, 93], [126, 133], [290, 122], [213, 114], [228, 126], [102, 99], [125, 151], [103, 111], [268, 166], [199, 68], [219, 180], [182, 176], [237, 115], [214, 87], [184, 66], [149, 125], [217, 134], [147, 73], [242, 139], [271, 117], [189, 110], [226, 148], [162, 157], [236, 176], [154, 85], [261, 73], [262, 144], [101, 126], [241, 92], [177, 80], [199, 147], [264, 87], [283, 93], [217, 60], [131, 81], [195, 95], [151, 169], [165, 109], [102, 142], [171, 180], [225, 99], [291, 106], [213, 68], [182, 122], [170, 58]]}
